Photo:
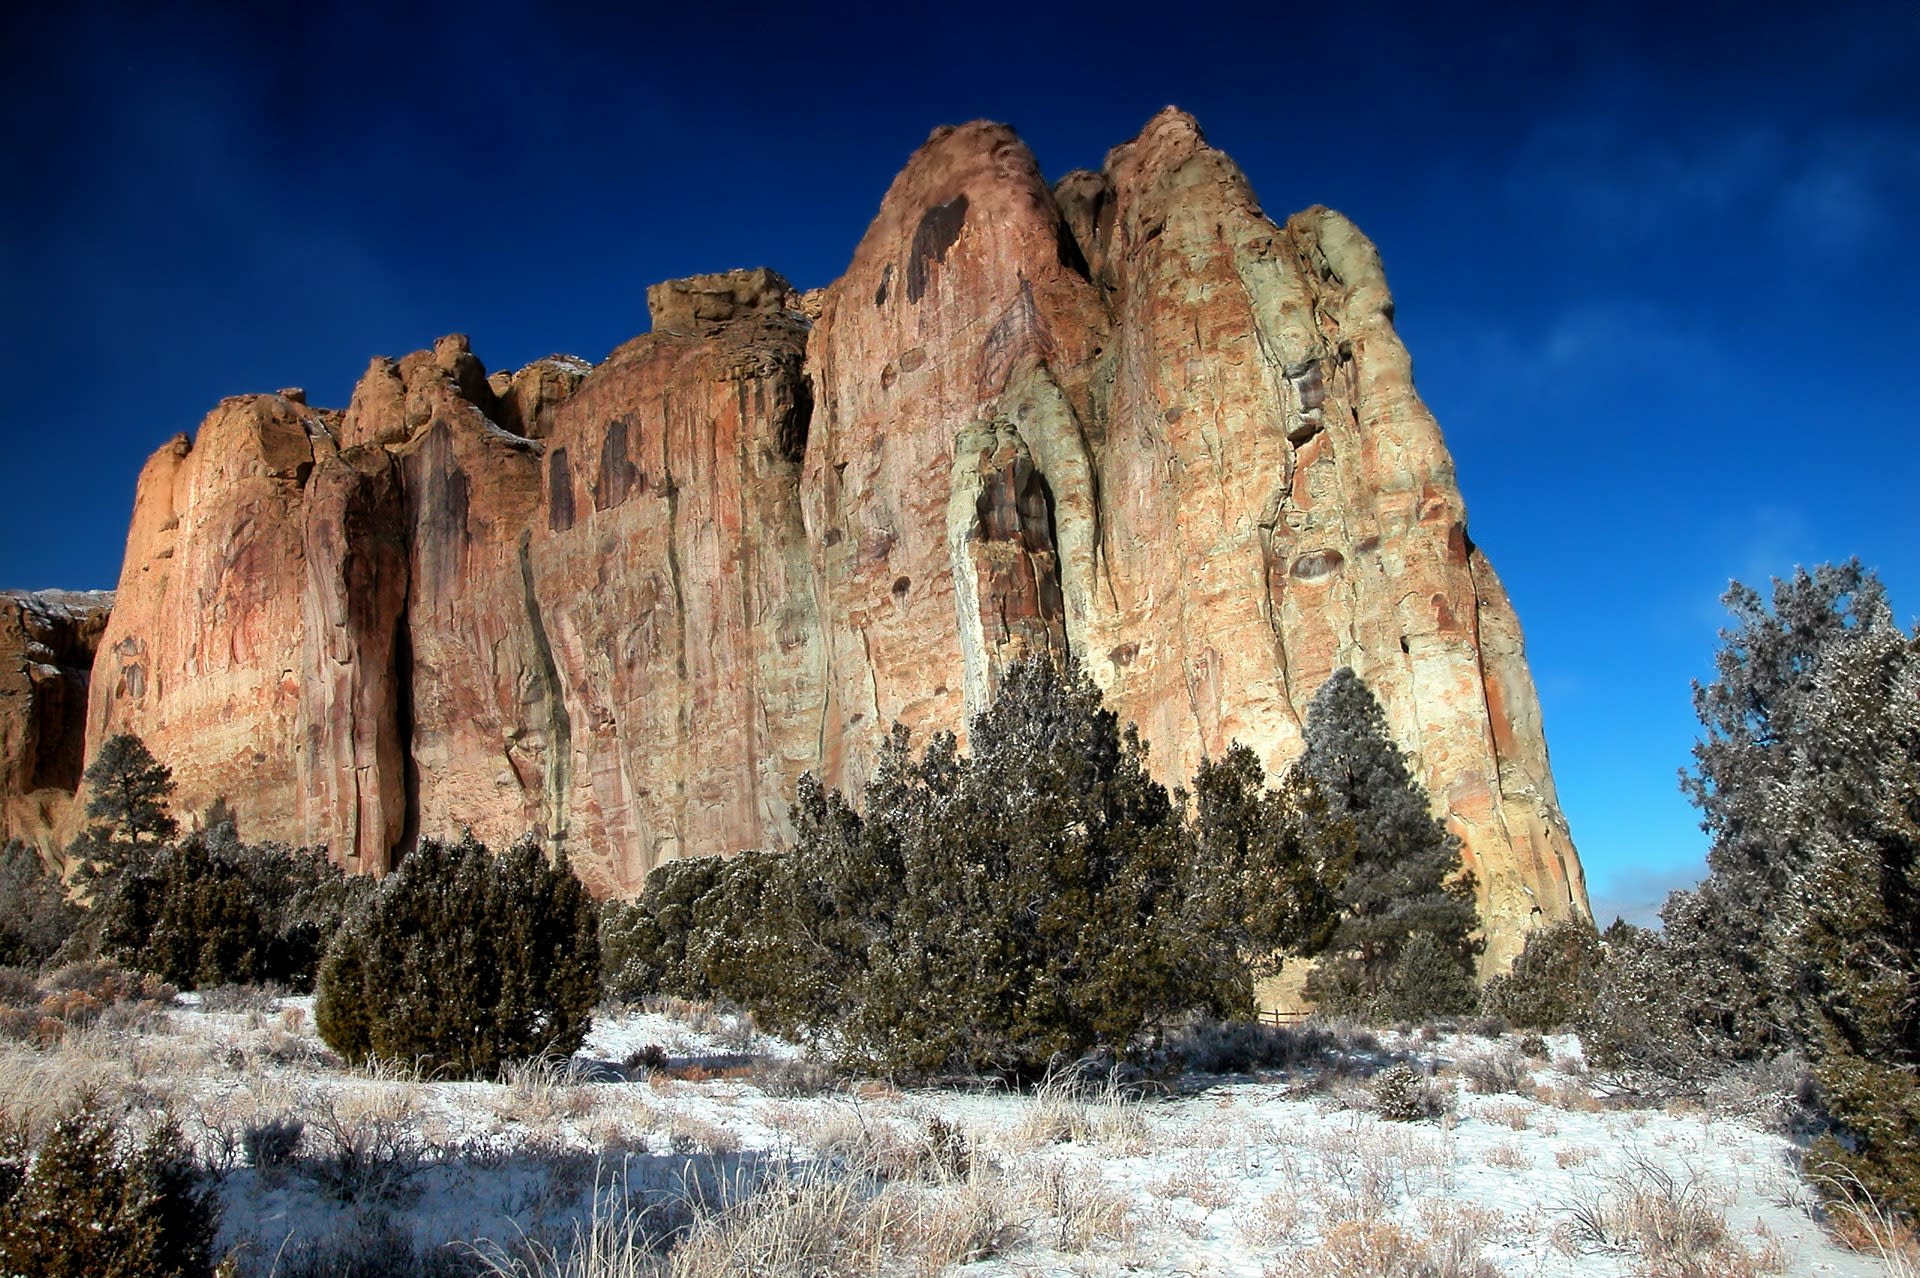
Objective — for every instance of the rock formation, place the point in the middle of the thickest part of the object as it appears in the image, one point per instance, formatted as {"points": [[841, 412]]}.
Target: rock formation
{"points": [[47, 643], [1125, 418]]}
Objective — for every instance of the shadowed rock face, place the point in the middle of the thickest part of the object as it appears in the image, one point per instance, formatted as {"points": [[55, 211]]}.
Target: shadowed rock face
{"points": [[47, 643], [1125, 418]]}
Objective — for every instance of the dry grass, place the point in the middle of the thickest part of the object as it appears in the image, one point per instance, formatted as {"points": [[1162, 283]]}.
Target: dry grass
{"points": [[1376, 1249], [1510, 1154], [1195, 1179], [1079, 1209], [1674, 1222], [1507, 1113], [1065, 1109], [1501, 1070], [1863, 1225], [1276, 1221]]}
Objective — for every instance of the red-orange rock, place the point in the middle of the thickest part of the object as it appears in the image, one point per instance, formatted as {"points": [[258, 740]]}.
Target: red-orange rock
{"points": [[1127, 419]]}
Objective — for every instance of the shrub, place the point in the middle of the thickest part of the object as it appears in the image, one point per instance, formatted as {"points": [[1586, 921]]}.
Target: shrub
{"points": [[987, 913], [1426, 979], [35, 914], [93, 1202], [272, 1142], [213, 911], [1553, 982], [651, 945], [1405, 1095], [463, 961]]}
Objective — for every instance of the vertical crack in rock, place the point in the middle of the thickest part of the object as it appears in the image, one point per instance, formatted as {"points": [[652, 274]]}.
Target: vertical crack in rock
{"points": [[403, 712], [559, 492], [671, 491], [795, 423], [559, 723], [1002, 536]]}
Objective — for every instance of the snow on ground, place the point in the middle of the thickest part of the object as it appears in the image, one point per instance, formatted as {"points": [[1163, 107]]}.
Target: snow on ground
{"points": [[1246, 1175]]}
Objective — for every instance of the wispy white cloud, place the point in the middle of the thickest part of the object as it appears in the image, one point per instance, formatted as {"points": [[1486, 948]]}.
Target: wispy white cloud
{"points": [[1625, 170]]}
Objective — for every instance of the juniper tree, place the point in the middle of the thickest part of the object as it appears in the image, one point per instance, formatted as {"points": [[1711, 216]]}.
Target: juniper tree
{"points": [[1398, 868], [1552, 983], [1849, 929], [35, 914], [210, 910], [1806, 931], [1001, 910], [464, 961], [1270, 855]]}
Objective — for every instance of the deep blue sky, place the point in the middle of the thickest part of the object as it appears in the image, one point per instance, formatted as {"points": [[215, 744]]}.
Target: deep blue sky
{"points": [[1656, 263]]}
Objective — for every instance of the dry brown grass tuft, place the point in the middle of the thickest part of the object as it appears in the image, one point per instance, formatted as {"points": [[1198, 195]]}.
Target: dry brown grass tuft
{"points": [[1674, 1222], [1863, 1225], [1510, 1154], [1507, 1113], [1079, 1209]]}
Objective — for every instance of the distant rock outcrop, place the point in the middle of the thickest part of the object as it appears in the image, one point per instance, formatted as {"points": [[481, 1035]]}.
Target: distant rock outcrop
{"points": [[1125, 418]]}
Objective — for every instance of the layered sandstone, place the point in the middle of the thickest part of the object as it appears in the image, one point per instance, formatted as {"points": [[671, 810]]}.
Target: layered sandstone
{"points": [[1126, 419]]}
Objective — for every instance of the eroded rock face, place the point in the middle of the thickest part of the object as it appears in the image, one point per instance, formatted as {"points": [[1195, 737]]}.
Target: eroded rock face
{"points": [[1126, 418], [47, 643]]}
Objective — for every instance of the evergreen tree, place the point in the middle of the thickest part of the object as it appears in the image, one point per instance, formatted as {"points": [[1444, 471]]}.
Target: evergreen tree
{"points": [[999, 911], [209, 910], [35, 914], [463, 961], [1270, 856], [92, 1203], [127, 794], [1806, 931], [1398, 868], [1851, 938], [1759, 716], [1553, 983], [644, 942]]}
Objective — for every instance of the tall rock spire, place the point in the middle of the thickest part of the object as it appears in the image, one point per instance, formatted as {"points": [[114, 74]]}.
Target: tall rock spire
{"points": [[1126, 418]]}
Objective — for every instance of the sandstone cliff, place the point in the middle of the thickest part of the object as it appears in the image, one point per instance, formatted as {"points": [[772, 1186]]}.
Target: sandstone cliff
{"points": [[1126, 417], [47, 643]]}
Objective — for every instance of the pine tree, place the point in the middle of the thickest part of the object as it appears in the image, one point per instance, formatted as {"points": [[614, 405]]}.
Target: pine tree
{"points": [[127, 793], [1398, 868]]}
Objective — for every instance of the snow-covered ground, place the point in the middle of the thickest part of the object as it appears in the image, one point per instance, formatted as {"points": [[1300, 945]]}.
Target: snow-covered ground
{"points": [[1283, 1173]]}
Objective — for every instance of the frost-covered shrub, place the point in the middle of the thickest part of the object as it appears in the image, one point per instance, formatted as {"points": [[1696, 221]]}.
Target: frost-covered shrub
{"points": [[211, 910], [463, 961], [35, 915], [1553, 982], [93, 1201], [1405, 1095], [1234, 1047], [994, 912]]}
